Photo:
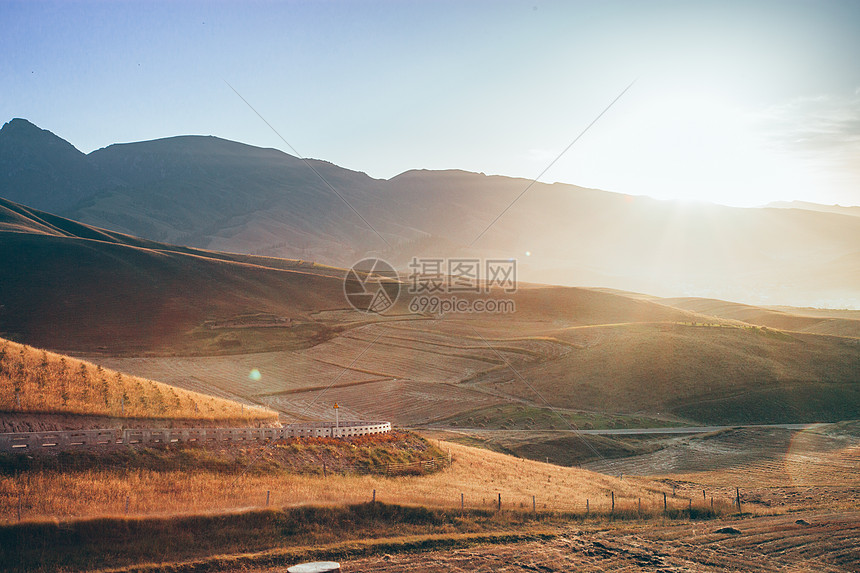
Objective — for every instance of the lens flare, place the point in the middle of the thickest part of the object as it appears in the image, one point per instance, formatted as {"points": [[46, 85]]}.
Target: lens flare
{"points": [[255, 375]]}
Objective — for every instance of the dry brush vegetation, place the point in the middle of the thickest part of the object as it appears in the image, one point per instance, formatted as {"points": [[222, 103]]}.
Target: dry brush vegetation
{"points": [[479, 475], [40, 382]]}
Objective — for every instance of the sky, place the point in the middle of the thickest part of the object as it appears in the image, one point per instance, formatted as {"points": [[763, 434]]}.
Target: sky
{"points": [[739, 103]]}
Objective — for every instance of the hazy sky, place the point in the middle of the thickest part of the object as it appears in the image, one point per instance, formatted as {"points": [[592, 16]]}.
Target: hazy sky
{"points": [[735, 102]]}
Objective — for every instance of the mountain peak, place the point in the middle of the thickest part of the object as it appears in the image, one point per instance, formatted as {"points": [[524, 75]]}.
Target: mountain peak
{"points": [[18, 124], [22, 133], [42, 170]]}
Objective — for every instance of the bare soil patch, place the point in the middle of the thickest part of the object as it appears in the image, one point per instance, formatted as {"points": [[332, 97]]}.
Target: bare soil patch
{"points": [[826, 543]]}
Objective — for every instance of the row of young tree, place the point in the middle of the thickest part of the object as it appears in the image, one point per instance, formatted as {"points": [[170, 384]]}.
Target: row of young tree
{"points": [[37, 381]]}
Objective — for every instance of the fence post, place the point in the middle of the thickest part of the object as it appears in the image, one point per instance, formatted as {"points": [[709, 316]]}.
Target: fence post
{"points": [[461, 501], [640, 505], [268, 492], [127, 502], [374, 496], [712, 503], [534, 505], [738, 497], [665, 505], [500, 502], [704, 497], [325, 474], [587, 509], [690, 506], [613, 502]]}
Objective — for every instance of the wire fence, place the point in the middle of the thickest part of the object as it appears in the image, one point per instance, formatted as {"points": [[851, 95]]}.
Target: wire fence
{"points": [[418, 467]]}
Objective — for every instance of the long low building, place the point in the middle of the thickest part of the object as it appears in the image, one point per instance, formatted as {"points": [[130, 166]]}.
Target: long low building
{"points": [[71, 439]]}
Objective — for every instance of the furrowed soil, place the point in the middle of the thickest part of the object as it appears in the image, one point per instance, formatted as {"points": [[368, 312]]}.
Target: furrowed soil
{"points": [[824, 542]]}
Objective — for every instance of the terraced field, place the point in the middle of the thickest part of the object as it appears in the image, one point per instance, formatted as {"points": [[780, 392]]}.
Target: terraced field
{"points": [[406, 372], [403, 402], [279, 371]]}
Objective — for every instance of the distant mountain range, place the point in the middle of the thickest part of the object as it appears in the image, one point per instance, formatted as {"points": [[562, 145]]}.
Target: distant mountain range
{"points": [[211, 193], [854, 211]]}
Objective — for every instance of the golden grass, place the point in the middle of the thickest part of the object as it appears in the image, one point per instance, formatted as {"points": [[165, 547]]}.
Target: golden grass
{"points": [[479, 475], [37, 381]]}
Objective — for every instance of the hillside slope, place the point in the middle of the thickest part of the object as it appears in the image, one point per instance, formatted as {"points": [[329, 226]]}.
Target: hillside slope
{"points": [[204, 320], [35, 382], [72, 286], [707, 374], [844, 323]]}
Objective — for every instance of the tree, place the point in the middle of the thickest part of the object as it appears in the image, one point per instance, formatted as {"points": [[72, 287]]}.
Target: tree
{"points": [[84, 379], [105, 388], [64, 383]]}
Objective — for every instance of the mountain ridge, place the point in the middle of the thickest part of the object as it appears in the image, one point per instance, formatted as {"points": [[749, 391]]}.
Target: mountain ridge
{"points": [[212, 193]]}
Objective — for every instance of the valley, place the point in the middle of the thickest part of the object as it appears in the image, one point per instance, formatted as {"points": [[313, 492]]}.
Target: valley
{"points": [[503, 407]]}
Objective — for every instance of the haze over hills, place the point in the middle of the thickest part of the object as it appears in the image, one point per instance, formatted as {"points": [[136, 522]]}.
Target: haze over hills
{"points": [[203, 320], [210, 193], [854, 211]]}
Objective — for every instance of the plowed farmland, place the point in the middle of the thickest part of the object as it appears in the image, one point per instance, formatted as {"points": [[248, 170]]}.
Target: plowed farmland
{"points": [[405, 402], [825, 542]]}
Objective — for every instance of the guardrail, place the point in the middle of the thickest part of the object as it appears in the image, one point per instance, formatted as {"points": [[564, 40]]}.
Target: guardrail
{"points": [[73, 439]]}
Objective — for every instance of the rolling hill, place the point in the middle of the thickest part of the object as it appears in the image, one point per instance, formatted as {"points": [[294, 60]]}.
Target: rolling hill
{"points": [[210, 193], [34, 383], [72, 286], [203, 320], [839, 323]]}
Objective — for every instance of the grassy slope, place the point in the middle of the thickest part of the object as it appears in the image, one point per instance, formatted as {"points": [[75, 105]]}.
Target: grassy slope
{"points": [[704, 373], [70, 286], [382, 454], [35, 381], [845, 323], [478, 474]]}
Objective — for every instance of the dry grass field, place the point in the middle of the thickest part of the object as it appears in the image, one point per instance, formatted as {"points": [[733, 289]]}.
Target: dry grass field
{"points": [[36, 382], [478, 474], [818, 321]]}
